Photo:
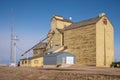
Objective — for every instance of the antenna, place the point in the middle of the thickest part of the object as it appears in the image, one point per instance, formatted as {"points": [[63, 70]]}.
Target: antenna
{"points": [[11, 36], [13, 49], [14, 46], [12, 43]]}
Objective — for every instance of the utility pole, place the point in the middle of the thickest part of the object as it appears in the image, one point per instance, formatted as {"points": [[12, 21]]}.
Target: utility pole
{"points": [[14, 47], [11, 45]]}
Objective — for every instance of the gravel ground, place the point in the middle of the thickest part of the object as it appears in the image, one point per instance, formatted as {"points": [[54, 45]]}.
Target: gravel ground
{"points": [[71, 73]]}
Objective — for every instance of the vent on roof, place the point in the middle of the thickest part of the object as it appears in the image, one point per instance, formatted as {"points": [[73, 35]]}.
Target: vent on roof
{"points": [[70, 18], [102, 14]]}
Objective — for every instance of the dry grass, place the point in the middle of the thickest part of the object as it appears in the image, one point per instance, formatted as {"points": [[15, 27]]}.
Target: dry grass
{"points": [[71, 73]]}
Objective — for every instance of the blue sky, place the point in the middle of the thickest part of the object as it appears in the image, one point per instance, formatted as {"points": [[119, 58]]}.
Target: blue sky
{"points": [[31, 20]]}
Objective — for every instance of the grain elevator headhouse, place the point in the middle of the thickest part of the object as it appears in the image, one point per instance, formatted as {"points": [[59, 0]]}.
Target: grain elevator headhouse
{"points": [[91, 40]]}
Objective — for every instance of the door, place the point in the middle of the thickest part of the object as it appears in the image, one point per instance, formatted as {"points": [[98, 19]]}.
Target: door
{"points": [[69, 60]]}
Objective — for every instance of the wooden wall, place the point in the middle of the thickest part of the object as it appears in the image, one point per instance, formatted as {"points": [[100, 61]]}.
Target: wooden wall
{"points": [[82, 42]]}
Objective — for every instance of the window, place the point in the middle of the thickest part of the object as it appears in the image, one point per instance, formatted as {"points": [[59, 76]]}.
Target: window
{"points": [[22, 62], [25, 62], [35, 61], [105, 21]]}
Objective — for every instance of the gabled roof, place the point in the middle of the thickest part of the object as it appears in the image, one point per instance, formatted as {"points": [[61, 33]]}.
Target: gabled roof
{"points": [[41, 45], [83, 23], [62, 19]]}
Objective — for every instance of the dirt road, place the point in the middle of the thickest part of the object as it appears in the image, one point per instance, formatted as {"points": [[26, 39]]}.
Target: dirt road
{"points": [[74, 73]]}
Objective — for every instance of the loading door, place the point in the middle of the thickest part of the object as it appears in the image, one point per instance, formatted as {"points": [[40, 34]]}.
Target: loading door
{"points": [[69, 60]]}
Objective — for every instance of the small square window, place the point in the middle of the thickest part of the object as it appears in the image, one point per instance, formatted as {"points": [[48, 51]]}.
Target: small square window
{"points": [[35, 61]]}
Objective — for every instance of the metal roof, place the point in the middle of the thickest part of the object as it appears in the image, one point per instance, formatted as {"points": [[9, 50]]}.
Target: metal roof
{"points": [[59, 53], [83, 23], [33, 57], [53, 49], [41, 45]]}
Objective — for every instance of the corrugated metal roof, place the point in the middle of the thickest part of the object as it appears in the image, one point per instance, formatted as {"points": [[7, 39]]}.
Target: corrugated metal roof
{"points": [[59, 53], [83, 23]]}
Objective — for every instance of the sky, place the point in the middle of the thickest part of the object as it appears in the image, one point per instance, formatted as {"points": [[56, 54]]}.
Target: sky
{"points": [[31, 20]]}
